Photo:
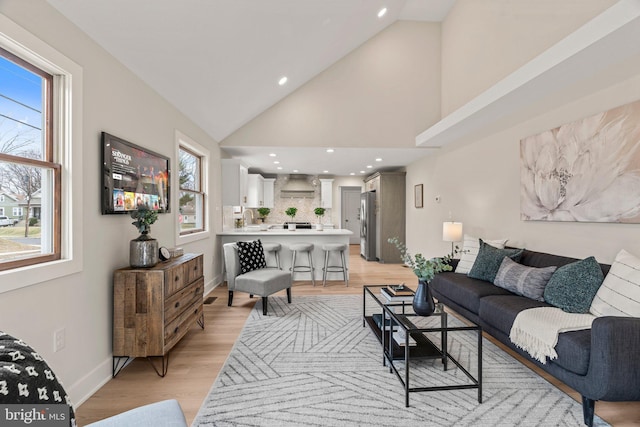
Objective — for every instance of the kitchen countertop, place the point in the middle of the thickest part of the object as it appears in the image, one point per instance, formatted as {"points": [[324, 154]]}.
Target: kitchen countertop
{"points": [[284, 232]]}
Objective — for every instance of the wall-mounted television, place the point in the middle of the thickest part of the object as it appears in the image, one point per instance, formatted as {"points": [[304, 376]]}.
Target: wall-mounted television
{"points": [[132, 176]]}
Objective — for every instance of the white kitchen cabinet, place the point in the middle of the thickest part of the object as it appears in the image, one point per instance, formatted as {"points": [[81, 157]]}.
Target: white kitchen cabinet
{"points": [[234, 183], [255, 191], [269, 192], [326, 193]]}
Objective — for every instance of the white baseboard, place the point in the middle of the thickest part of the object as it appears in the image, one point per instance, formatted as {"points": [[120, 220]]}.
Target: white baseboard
{"points": [[86, 386], [208, 287]]}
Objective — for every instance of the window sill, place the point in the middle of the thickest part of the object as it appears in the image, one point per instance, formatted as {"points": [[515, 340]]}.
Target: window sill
{"points": [[189, 238]]}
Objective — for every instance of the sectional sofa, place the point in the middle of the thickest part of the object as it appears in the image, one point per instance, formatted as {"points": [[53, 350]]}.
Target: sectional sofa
{"points": [[601, 363]]}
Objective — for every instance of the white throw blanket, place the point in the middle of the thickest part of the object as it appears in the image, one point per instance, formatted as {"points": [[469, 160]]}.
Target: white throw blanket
{"points": [[536, 330]]}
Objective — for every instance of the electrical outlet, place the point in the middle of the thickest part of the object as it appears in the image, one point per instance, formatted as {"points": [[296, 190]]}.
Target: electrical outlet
{"points": [[59, 340]]}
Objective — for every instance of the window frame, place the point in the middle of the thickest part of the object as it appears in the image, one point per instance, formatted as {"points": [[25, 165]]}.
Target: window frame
{"points": [[186, 143], [66, 148]]}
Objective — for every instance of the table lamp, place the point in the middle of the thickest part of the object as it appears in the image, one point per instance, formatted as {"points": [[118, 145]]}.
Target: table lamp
{"points": [[452, 232]]}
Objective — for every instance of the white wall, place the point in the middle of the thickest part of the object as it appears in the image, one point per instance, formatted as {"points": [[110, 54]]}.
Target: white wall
{"points": [[115, 101], [485, 40], [479, 182], [385, 91]]}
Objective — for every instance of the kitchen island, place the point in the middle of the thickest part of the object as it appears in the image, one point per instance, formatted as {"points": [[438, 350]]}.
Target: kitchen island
{"points": [[286, 237]]}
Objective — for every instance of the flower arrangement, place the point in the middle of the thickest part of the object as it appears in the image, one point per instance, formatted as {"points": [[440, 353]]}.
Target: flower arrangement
{"points": [[291, 212], [424, 268], [144, 217]]}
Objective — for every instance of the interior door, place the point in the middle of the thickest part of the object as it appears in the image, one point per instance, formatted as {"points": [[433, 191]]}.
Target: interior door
{"points": [[350, 198]]}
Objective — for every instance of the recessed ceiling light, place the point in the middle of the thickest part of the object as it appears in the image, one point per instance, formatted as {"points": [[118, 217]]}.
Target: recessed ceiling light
{"points": [[272, 155], [379, 159], [369, 166], [352, 173], [279, 168], [330, 150], [325, 171], [382, 12], [282, 80], [361, 171], [276, 162], [295, 170]]}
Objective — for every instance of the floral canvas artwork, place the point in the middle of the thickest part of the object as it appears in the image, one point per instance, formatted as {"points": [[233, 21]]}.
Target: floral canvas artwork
{"points": [[587, 170]]}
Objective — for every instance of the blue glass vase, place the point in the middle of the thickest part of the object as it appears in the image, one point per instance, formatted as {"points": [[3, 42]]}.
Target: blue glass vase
{"points": [[423, 303]]}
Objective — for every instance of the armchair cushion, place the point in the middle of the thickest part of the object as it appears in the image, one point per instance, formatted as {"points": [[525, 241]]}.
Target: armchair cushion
{"points": [[166, 413], [251, 256]]}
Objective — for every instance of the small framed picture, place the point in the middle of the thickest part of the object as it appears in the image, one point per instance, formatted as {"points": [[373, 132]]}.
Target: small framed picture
{"points": [[417, 195]]}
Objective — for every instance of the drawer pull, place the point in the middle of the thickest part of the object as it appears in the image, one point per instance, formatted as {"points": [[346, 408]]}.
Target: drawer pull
{"points": [[177, 304], [195, 268], [195, 311], [176, 278], [175, 331]]}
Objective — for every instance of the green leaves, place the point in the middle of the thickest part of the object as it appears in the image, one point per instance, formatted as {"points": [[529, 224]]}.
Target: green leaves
{"points": [[144, 217], [424, 269], [291, 212]]}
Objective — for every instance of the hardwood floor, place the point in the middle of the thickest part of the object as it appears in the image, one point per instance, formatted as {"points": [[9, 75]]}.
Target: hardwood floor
{"points": [[199, 356]]}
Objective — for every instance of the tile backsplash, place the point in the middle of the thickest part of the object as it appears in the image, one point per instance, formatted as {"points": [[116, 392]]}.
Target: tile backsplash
{"points": [[305, 206]]}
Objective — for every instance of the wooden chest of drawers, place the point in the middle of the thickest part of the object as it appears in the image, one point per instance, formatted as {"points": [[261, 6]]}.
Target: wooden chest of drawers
{"points": [[154, 307]]}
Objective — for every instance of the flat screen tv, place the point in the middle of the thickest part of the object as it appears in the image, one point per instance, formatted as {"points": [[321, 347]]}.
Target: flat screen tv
{"points": [[132, 176]]}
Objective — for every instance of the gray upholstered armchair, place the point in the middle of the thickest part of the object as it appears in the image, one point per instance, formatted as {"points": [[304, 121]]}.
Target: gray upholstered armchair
{"points": [[262, 282]]}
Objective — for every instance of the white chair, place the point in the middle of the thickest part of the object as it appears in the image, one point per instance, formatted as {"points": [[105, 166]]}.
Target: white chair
{"points": [[262, 282], [272, 247], [307, 248], [334, 247]]}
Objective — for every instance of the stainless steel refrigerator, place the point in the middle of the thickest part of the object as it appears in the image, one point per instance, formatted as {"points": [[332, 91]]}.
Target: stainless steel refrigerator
{"points": [[368, 225]]}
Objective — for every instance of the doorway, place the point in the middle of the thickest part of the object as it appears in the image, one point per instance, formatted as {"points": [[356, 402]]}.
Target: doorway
{"points": [[350, 215]]}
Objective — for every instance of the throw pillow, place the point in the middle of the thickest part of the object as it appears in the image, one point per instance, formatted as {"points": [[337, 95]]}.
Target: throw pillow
{"points": [[251, 256], [489, 259], [470, 248], [573, 286], [619, 294], [522, 280]]}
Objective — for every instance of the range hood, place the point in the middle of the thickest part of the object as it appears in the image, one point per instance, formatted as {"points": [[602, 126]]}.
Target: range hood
{"points": [[298, 186]]}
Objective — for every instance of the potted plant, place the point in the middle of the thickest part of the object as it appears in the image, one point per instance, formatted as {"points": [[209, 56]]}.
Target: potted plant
{"points": [[143, 251], [319, 213], [425, 269], [263, 212], [292, 213]]}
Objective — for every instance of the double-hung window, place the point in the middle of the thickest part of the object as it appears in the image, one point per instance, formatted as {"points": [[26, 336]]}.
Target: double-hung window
{"points": [[192, 183], [28, 170]]}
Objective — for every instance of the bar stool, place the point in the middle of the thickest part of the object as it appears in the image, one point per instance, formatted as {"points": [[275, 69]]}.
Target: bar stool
{"points": [[302, 247], [275, 248], [334, 247]]}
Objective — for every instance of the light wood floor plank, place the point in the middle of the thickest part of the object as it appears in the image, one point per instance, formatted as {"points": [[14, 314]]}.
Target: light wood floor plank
{"points": [[199, 356]]}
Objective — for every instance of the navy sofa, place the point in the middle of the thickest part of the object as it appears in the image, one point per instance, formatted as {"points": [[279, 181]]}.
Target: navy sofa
{"points": [[602, 363]]}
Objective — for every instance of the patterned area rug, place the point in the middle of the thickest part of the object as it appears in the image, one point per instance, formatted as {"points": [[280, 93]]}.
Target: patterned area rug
{"points": [[312, 363]]}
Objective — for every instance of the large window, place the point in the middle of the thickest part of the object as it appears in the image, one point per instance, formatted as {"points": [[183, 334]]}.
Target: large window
{"points": [[192, 196], [28, 170]]}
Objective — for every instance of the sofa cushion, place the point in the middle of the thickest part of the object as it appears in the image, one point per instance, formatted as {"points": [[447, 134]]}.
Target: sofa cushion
{"points": [[573, 348], [470, 248], [500, 311], [573, 286], [522, 280], [619, 294], [464, 290], [489, 259], [251, 256]]}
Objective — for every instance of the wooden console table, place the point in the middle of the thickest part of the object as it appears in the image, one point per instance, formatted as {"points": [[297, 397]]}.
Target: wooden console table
{"points": [[153, 308]]}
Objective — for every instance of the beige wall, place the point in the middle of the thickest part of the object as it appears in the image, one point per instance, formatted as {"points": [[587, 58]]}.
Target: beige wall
{"points": [[483, 41], [116, 101], [480, 185], [386, 91]]}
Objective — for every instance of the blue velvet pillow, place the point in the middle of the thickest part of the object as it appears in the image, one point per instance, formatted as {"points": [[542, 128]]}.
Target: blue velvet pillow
{"points": [[573, 286], [488, 261]]}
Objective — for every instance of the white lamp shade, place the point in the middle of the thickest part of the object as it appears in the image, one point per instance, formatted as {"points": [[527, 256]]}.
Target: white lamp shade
{"points": [[452, 231]]}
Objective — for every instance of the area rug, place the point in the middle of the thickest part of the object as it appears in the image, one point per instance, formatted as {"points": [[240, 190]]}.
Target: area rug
{"points": [[312, 363]]}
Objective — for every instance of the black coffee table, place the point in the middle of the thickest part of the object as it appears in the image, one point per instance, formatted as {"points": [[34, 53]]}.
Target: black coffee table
{"points": [[424, 348]]}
